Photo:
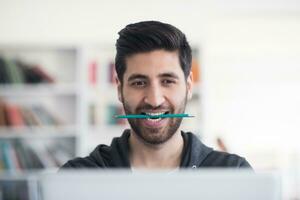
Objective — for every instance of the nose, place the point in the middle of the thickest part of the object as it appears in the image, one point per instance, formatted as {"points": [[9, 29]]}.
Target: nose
{"points": [[154, 96]]}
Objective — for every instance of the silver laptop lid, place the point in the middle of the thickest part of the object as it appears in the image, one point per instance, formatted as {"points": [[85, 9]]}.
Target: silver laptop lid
{"points": [[191, 185]]}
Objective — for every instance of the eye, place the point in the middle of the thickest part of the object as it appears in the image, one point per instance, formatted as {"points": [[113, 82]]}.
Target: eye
{"points": [[138, 83], [168, 82]]}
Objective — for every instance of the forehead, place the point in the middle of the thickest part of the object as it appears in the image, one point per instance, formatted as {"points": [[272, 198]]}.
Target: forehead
{"points": [[153, 63]]}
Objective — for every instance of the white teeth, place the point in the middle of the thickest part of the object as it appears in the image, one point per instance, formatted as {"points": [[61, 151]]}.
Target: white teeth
{"points": [[154, 114], [154, 120]]}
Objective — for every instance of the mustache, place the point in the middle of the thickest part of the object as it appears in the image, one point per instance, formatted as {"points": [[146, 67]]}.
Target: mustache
{"points": [[150, 107]]}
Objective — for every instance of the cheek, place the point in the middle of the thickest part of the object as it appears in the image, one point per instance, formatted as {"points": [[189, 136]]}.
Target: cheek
{"points": [[131, 98], [177, 96]]}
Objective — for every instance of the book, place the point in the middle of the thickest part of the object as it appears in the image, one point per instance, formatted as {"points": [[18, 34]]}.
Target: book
{"points": [[14, 157], [14, 72], [14, 116], [60, 156], [52, 156], [54, 118], [2, 113], [17, 72], [29, 74], [5, 149], [3, 72], [45, 77], [2, 164], [44, 116], [30, 118], [24, 163], [112, 74], [195, 68], [20, 116], [92, 114], [24, 155], [43, 154], [36, 163], [93, 71]]}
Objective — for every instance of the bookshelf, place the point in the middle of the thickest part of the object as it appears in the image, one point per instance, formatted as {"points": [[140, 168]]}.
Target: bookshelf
{"points": [[40, 108], [82, 96]]}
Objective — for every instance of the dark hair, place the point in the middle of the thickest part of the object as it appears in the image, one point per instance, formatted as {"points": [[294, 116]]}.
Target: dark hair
{"points": [[147, 36]]}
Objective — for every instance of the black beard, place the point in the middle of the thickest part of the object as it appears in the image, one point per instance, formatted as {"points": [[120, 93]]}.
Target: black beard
{"points": [[154, 136]]}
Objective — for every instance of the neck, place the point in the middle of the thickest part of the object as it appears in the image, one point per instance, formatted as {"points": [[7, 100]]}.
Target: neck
{"points": [[162, 156]]}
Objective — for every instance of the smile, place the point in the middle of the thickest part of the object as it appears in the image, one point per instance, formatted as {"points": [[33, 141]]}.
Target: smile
{"points": [[154, 119], [154, 116]]}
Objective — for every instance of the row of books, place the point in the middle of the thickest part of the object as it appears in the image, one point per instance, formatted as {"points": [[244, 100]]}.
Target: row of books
{"points": [[96, 115], [94, 73], [20, 155], [12, 115], [14, 71]]}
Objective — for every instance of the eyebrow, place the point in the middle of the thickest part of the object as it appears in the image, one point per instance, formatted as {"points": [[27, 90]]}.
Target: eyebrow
{"points": [[162, 75], [136, 76], [169, 75]]}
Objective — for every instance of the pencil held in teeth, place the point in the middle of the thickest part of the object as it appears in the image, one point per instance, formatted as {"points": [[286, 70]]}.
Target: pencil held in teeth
{"points": [[153, 116]]}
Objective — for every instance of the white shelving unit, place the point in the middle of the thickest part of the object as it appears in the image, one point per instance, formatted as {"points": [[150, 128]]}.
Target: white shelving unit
{"points": [[61, 98]]}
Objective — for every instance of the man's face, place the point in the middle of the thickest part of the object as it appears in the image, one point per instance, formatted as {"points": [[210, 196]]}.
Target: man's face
{"points": [[154, 84]]}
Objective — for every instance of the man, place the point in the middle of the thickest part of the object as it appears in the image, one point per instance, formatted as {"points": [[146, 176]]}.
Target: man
{"points": [[153, 63]]}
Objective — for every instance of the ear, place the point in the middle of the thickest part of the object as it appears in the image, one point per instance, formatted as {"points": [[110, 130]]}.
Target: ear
{"points": [[189, 85], [119, 88]]}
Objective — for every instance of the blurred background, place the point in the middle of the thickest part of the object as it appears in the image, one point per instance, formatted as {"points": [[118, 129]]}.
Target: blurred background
{"points": [[58, 96]]}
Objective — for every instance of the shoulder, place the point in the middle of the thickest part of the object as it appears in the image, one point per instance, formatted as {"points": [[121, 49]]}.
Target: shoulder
{"points": [[223, 159], [99, 158], [78, 162], [201, 155], [113, 156]]}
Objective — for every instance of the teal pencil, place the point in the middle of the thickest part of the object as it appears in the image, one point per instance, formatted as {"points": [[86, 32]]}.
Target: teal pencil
{"points": [[149, 116]]}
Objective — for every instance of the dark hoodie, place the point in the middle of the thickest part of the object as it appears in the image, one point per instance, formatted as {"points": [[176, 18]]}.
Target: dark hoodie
{"points": [[195, 155]]}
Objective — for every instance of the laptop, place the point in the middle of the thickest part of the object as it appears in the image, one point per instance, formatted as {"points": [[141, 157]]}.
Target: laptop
{"points": [[161, 185]]}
